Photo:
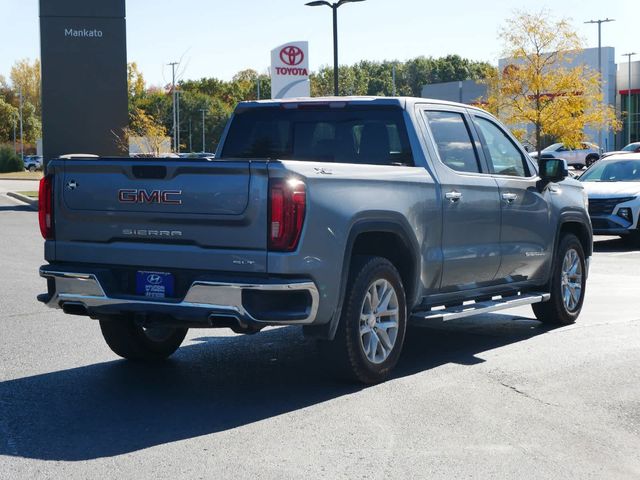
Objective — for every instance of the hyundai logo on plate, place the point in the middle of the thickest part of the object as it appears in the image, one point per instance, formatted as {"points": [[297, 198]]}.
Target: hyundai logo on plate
{"points": [[154, 279]]}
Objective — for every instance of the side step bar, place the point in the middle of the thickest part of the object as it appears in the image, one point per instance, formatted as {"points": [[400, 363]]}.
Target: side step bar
{"points": [[475, 308]]}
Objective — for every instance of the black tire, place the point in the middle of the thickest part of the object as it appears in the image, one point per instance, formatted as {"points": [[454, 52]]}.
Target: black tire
{"points": [[133, 342], [32, 168], [556, 311], [578, 166], [347, 352]]}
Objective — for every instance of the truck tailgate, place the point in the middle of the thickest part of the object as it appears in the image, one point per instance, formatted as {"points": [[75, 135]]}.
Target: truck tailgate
{"points": [[168, 213]]}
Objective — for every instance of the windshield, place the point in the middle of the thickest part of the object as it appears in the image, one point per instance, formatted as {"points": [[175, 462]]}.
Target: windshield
{"points": [[613, 171], [552, 148], [631, 147], [350, 134]]}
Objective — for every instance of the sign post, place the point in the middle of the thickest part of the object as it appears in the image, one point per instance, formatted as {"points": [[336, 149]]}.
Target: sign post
{"points": [[290, 70], [84, 77]]}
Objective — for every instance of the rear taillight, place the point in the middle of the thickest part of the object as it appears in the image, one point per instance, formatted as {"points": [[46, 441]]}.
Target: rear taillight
{"points": [[287, 205], [45, 207]]}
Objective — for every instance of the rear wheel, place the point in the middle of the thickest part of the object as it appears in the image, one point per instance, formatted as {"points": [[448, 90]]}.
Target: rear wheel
{"points": [[372, 326], [134, 342], [567, 285]]}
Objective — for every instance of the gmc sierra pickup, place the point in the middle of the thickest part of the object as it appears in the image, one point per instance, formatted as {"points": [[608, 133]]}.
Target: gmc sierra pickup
{"points": [[349, 216]]}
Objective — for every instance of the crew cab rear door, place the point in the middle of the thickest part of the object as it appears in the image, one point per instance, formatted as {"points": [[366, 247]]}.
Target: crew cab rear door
{"points": [[526, 238], [470, 198]]}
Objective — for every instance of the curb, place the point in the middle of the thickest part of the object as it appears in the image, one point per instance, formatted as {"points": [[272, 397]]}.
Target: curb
{"points": [[20, 179], [33, 203]]}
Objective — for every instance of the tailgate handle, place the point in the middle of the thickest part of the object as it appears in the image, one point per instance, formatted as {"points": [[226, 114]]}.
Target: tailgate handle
{"points": [[149, 171]]}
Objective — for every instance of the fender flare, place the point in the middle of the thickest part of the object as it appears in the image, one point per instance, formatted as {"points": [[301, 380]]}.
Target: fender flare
{"points": [[375, 222]]}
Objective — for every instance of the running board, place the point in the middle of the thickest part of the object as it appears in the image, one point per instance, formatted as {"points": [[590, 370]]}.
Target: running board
{"points": [[476, 308]]}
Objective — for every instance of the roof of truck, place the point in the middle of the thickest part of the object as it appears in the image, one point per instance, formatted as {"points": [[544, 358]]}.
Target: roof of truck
{"points": [[402, 102]]}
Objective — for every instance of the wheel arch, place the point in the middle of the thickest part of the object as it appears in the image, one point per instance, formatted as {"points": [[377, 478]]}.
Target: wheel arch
{"points": [[580, 230], [387, 235]]}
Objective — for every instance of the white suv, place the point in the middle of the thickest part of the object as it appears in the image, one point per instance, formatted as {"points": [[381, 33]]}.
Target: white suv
{"points": [[578, 158], [613, 187]]}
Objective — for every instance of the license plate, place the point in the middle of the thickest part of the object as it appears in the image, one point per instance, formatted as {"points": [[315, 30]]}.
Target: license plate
{"points": [[154, 284]]}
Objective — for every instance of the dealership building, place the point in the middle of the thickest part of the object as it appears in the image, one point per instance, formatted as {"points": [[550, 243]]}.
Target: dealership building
{"points": [[616, 91]]}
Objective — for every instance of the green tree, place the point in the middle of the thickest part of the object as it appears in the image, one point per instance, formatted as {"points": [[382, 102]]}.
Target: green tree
{"points": [[8, 118]]}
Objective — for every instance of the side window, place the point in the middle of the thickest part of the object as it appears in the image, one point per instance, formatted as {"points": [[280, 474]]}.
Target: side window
{"points": [[503, 156], [453, 140]]}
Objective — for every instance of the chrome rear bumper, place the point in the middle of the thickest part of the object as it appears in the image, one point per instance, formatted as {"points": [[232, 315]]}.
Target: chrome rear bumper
{"points": [[203, 300]]}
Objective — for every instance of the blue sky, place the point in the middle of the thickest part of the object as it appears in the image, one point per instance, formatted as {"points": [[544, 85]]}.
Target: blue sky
{"points": [[216, 39]]}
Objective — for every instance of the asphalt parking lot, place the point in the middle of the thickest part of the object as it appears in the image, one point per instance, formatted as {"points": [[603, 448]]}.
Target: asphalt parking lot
{"points": [[497, 396]]}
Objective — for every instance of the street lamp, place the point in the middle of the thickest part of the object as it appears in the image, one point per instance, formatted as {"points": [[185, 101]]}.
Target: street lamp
{"points": [[334, 7], [600, 22], [629, 55]]}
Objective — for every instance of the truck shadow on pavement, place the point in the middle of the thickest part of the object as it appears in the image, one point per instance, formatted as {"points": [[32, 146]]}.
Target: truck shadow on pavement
{"points": [[17, 208], [616, 245], [211, 384]]}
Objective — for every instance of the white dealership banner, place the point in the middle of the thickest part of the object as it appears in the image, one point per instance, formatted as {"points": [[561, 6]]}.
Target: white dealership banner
{"points": [[290, 70]]}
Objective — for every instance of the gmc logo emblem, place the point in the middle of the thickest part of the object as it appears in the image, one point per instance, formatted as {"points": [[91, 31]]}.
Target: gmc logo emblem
{"points": [[167, 197]]}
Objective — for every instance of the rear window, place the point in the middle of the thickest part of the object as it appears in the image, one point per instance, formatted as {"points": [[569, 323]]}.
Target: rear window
{"points": [[344, 135]]}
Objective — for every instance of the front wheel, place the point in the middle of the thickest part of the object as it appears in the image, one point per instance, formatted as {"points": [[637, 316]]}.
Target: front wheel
{"points": [[372, 326], [567, 285], [134, 342]]}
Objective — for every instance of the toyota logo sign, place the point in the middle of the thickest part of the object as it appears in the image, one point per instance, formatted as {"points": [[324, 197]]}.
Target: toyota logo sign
{"points": [[291, 55]]}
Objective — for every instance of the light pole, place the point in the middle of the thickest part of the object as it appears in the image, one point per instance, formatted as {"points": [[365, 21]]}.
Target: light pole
{"points": [[173, 99], [21, 125], [629, 55], [203, 110], [334, 7], [600, 22]]}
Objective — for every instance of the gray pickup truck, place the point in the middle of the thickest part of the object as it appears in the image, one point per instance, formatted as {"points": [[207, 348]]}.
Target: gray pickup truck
{"points": [[349, 216]]}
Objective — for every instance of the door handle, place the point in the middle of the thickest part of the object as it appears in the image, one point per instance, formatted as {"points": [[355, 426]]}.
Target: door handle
{"points": [[453, 196], [509, 197]]}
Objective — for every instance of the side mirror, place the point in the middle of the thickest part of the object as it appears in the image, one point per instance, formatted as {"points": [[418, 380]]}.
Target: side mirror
{"points": [[553, 169]]}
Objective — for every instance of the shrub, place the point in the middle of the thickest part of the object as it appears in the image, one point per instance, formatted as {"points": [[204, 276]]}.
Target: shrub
{"points": [[10, 161]]}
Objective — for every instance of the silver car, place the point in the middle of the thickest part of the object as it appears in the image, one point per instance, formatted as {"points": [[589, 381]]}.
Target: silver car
{"points": [[577, 158]]}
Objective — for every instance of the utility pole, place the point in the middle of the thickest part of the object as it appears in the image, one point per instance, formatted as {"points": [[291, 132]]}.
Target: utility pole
{"points": [[178, 121], [21, 125], [15, 145], [203, 110], [629, 55], [258, 87], [173, 99], [600, 22], [393, 78], [190, 138]]}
